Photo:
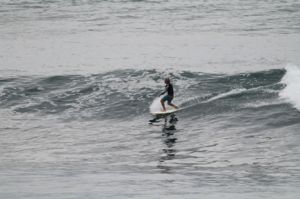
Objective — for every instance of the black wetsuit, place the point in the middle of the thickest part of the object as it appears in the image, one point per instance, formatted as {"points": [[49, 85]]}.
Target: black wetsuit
{"points": [[169, 97], [169, 89]]}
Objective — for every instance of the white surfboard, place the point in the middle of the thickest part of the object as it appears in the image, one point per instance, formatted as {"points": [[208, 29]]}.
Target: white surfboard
{"points": [[167, 112]]}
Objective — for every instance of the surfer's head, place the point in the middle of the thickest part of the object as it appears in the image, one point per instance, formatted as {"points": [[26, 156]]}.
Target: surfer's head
{"points": [[167, 81]]}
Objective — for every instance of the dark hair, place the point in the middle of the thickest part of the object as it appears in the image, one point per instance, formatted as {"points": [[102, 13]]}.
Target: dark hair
{"points": [[167, 81]]}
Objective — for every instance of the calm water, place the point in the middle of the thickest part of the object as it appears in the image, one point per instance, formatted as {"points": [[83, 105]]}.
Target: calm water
{"points": [[77, 79]]}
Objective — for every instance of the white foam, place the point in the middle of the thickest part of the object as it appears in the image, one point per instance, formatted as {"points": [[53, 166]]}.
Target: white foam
{"points": [[259, 104], [291, 92], [229, 93], [156, 105]]}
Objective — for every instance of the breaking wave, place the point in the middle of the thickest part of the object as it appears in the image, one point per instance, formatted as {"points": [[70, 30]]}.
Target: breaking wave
{"points": [[126, 94]]}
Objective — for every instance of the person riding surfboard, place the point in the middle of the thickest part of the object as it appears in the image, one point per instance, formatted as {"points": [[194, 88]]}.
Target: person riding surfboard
{"points": [[170, 95]]}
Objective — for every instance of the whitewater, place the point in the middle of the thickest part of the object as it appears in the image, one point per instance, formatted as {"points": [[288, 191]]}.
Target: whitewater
{"points": [[79, 80]]}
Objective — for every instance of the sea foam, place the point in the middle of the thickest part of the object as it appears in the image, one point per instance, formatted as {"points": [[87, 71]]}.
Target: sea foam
{"points": [[292, 81], [156, 105]]}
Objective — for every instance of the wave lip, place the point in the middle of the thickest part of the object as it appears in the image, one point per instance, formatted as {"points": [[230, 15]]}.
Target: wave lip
{"points": [[292, 81]]}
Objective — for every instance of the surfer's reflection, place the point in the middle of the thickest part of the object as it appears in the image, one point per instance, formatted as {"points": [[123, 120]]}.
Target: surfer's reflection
{"points": [[168, 137]]}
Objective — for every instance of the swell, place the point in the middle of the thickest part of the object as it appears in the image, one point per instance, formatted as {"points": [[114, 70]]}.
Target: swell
{"points": [[125, 94]]}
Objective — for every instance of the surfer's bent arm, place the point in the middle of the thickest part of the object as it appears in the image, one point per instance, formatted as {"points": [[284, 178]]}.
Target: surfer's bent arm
{"points": [[164, 91]]}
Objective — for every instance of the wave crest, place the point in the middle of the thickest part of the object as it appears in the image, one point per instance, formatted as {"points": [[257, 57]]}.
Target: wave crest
{"points": [[292, 81]]}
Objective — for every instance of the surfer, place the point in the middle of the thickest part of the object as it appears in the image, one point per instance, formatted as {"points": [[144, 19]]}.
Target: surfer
{"points": [[170, 95]]}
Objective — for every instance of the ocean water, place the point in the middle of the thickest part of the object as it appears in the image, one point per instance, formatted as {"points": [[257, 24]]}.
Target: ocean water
{"points": [[77, 79]]}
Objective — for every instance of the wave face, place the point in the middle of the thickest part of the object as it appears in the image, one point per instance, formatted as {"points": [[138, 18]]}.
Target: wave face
{"points": [[122, 93]]}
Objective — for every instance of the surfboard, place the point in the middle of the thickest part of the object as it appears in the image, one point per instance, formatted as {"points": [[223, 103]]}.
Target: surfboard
{"points": [[167, 112]]}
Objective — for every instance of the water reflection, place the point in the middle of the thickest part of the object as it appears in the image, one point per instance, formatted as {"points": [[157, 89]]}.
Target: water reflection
{"points": [[169, 139]]}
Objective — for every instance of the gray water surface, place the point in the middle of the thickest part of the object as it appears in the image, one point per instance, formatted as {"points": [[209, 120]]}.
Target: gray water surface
{"points": [[77, 79]]}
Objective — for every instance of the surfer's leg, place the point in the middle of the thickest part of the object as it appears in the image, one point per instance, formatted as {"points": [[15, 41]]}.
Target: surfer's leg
{"points": [[162, 101], [170, 103], [173, 105]]}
